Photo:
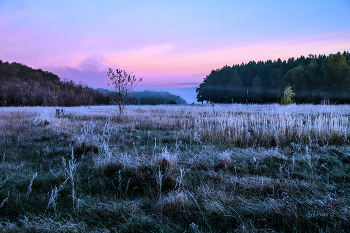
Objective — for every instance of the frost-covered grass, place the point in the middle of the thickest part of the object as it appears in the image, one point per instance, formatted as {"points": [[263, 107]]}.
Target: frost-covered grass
{"points": [[227, 168]]}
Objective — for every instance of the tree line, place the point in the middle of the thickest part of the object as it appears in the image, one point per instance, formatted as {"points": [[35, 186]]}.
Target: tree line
{"points": [[149, 97], [24, 86], [313, 79], [155, 98]]}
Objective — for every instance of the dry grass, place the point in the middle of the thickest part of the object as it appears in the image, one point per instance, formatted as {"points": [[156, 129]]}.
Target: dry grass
{"points": [[242, 168]]}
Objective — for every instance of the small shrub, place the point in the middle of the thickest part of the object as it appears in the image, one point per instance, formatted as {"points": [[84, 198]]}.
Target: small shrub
{"points": [[287, 96]]}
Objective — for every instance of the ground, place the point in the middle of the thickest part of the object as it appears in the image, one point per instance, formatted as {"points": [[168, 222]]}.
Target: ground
{"points": [[227, 168]]}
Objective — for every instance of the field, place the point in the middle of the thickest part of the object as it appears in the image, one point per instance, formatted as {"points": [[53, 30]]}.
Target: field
{"points": [[227, 168]]}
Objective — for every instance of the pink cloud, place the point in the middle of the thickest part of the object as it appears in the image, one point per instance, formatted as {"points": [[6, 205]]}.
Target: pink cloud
{"points": [[90, 70]]}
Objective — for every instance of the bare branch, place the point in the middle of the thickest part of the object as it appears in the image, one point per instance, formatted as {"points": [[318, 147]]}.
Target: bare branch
{"points": [[122, 84]]}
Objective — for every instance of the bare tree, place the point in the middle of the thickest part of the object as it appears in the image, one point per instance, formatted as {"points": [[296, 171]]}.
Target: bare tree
{"points": [[122, 84]]}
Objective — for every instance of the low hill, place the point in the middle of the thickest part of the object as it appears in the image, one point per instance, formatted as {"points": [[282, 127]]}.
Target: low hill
{"points": [[150, 97], [157, 97], [24, 86]]}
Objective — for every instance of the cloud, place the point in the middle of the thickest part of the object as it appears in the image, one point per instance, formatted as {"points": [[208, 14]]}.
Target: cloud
{"points": [[91, 78], [90, 70], [93, 64]]}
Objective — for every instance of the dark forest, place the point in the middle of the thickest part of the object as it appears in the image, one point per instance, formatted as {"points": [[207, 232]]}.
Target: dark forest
{"points": [[314, 79]]}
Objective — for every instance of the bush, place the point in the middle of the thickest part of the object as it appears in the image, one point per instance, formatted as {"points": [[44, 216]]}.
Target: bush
{"points": [[287, 96]]}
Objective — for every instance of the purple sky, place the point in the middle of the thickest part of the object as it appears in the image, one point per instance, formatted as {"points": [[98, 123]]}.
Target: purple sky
{"points": [[173, 45]]}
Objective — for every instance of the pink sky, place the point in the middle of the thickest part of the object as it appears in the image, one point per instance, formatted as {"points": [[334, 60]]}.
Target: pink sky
{"points": [[161, 66], [171, 45]]}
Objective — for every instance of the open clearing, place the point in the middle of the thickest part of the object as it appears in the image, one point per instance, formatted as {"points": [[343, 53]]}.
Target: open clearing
{"points": [[227, 168]]}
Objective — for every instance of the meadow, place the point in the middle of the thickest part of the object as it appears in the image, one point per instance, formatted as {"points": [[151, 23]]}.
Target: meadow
{"points": [[200, 168]]}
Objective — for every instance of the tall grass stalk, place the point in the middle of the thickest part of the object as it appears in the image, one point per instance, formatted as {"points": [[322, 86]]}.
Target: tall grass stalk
{"points": [[159, 182], [53, 194], [204, 218], [31, 183], [3, 202], [71, 169]]}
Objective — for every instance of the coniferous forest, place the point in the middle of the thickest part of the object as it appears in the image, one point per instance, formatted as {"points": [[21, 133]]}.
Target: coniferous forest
{"points": [[314, 79]]}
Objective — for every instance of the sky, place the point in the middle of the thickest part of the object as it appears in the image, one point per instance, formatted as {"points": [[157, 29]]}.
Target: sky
{"points": [[172, 45]]}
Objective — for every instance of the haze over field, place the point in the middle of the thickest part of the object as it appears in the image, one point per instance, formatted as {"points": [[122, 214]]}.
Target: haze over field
{"points": [[173, 46]]}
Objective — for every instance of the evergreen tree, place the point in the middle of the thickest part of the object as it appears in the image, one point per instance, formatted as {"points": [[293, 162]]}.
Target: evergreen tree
{"points": [[235, 87]]}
